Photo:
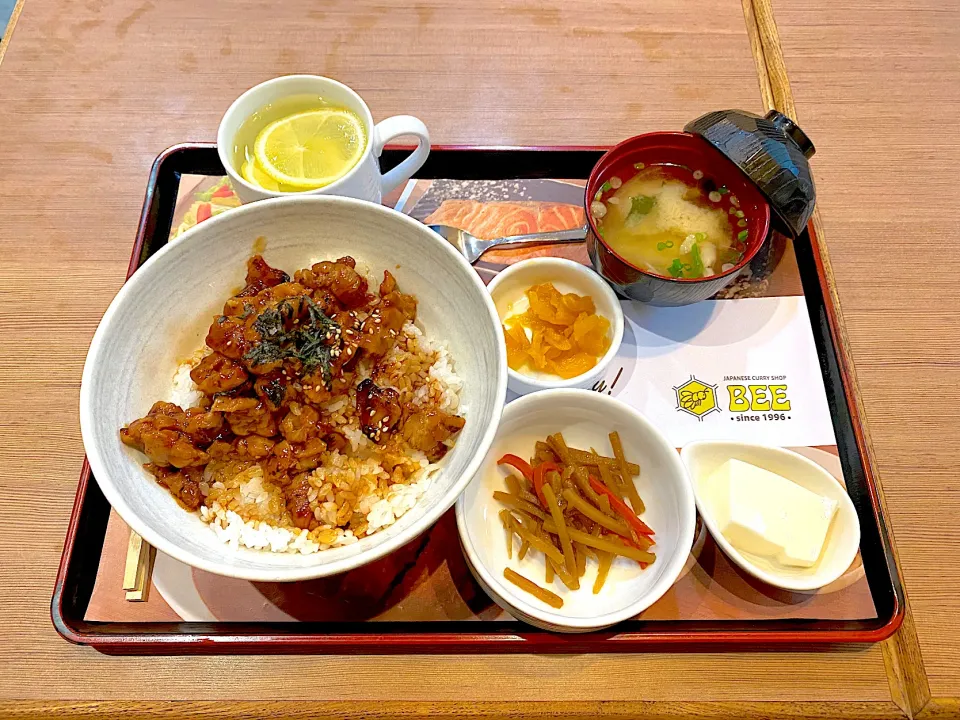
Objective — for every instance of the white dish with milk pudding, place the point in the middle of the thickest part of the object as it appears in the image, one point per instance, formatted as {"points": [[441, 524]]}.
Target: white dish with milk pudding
{"points": [[779, 516]]}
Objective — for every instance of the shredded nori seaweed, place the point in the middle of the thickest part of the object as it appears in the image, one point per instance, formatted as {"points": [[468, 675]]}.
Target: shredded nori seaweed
{"points": [[275, 392], [314, 341]]}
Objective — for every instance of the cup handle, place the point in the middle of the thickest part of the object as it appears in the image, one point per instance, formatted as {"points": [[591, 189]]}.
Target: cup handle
{"points": [[392, 128]]}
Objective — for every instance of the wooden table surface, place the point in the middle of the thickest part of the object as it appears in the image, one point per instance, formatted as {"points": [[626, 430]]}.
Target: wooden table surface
{"points": [[876, 85], [92, 90]]}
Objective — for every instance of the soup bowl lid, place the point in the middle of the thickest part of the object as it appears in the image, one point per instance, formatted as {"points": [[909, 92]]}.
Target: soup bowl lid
{"points": [[773, 152]]}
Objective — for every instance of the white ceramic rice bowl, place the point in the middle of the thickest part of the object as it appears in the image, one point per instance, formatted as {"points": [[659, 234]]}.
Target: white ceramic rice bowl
{"points": [[160, 318]]}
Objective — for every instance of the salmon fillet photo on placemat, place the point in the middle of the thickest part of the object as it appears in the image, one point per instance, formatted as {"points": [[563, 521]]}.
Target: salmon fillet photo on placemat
{"points": [[504, 219]]}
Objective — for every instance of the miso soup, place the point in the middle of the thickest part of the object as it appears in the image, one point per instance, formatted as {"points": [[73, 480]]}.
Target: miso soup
{"points": [[670, 221]]}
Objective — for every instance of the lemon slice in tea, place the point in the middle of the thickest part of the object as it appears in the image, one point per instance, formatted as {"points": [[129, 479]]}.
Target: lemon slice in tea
{"points": [[253, 174], [310, 149]]}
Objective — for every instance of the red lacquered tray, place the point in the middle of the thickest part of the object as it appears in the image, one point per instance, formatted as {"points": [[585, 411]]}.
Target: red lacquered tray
{"points": [[482, 628]]}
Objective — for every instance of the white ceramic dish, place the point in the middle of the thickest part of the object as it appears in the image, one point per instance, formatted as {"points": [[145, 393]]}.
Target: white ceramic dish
{"points": [[585, 418], [161, 315], [508, 289], [843, 538]]}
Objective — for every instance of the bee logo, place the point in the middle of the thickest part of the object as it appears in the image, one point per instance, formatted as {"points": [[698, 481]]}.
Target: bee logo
{"points": [[696, 398]]}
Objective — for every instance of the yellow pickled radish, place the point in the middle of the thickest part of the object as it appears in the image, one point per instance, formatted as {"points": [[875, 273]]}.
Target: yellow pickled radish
{"points": [[566, 336]]}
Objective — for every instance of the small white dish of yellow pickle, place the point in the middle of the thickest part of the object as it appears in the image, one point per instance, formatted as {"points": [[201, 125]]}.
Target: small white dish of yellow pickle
{"points": [[778, 515], [562, 324]]}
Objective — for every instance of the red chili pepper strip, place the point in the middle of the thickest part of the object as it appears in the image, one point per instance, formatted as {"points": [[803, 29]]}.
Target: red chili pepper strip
{"points": [[203, 212], [621, 508], [223, 191], [642, 543], [518, 463], [634, 544], [540, 476], [523, 467], [538, 473], [551, 466]]}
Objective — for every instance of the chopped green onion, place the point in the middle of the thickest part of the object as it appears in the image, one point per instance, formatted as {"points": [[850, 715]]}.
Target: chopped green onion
{"points": [[722, 190], [598, 195], [739, 213], [661, 246], [669, 243], [741, 223], [697, 265], [676, 268], [700, 236], [606, 186], [640, 205], [638, 166], [600, 231], [742, 235]]}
